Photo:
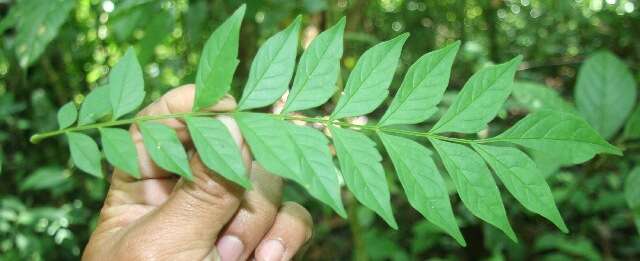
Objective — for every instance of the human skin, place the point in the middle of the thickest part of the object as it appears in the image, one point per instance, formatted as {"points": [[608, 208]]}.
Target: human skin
{"points": [[162, 217]]}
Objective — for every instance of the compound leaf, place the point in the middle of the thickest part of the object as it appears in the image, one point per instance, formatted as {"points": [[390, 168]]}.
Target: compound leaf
{"points": [[321, 176], [271, 69], [95, 106], [217, 149], [165, 148], [474, 184], [605, 92], [422, 87], [218, 61], [85, 153], [126, 85], [565, 135], [363, 172], [480, 99], [422, 182], [369, 81], [317, 71], [120, 150], [67, 115], [524, 181], [270, 144]]}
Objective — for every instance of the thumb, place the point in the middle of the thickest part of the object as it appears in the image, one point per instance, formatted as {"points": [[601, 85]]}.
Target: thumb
{"points": [[188, 223]]}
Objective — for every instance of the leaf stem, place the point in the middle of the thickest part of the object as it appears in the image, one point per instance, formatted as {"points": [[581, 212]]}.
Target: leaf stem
{"points": [[322, 120]]}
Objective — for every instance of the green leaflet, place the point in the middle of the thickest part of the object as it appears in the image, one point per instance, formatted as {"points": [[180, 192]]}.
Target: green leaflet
{"points": [[632, 128], [95, 106], [605, 92], [632, 194], [165, 148], [218, 61], [38, 22], [363, 172], [217, 149], [524, 181], [126, 85], [422, 182], [534, 96], [271, 69], [317, 71], [422, 87], [67, 115], [270, 146], [480, 99], [316, 165], [369, 81], [85, 153], [44, 178], [294, 152], [565, 135], [120, 150], [474, 184]]}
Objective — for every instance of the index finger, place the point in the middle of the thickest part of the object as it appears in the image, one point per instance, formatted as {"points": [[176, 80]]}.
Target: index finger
{"points": [[156, 183]]}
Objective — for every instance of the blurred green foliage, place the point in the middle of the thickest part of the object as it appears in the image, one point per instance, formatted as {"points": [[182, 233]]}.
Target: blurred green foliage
{"points": [[57, 50]]}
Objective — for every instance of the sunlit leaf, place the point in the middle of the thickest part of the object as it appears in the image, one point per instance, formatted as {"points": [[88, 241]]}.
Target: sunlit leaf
{"points": [[218, 61], [95, 106], [369, 80], [165, 148], [422, 183], [217, 149], [524, 181], [565, 135], [363, 172], [85, 153], [422, 88], [271, 69], [474, 184], [126, 85], [316, 166], [480, 99], [120, 150], [67, 115], [317, 71], [270, 144]]}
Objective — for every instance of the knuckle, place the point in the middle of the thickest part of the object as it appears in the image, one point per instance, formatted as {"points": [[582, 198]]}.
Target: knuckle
{"points": [[212, 189]]}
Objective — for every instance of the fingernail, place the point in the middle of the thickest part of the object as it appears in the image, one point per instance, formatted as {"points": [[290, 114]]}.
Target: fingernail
{"points": [[230, 248], [272, 250]]}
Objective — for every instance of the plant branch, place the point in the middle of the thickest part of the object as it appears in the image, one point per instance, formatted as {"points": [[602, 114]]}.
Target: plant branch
{"points": [[324, 121]]}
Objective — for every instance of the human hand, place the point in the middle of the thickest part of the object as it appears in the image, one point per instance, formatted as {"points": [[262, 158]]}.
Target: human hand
{"points": [[162, 217]]}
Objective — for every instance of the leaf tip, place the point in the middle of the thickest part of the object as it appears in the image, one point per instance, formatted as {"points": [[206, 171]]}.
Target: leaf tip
{"points": [[241, 9], [516, 60]]}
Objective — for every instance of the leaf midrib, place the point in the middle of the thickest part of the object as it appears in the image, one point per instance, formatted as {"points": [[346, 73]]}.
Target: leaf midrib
{"points": [[403, 101], [270, 62], [308, 77]]}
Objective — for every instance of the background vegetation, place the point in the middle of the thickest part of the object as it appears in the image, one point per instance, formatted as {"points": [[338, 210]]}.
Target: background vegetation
{"points": [[57, 50]]}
